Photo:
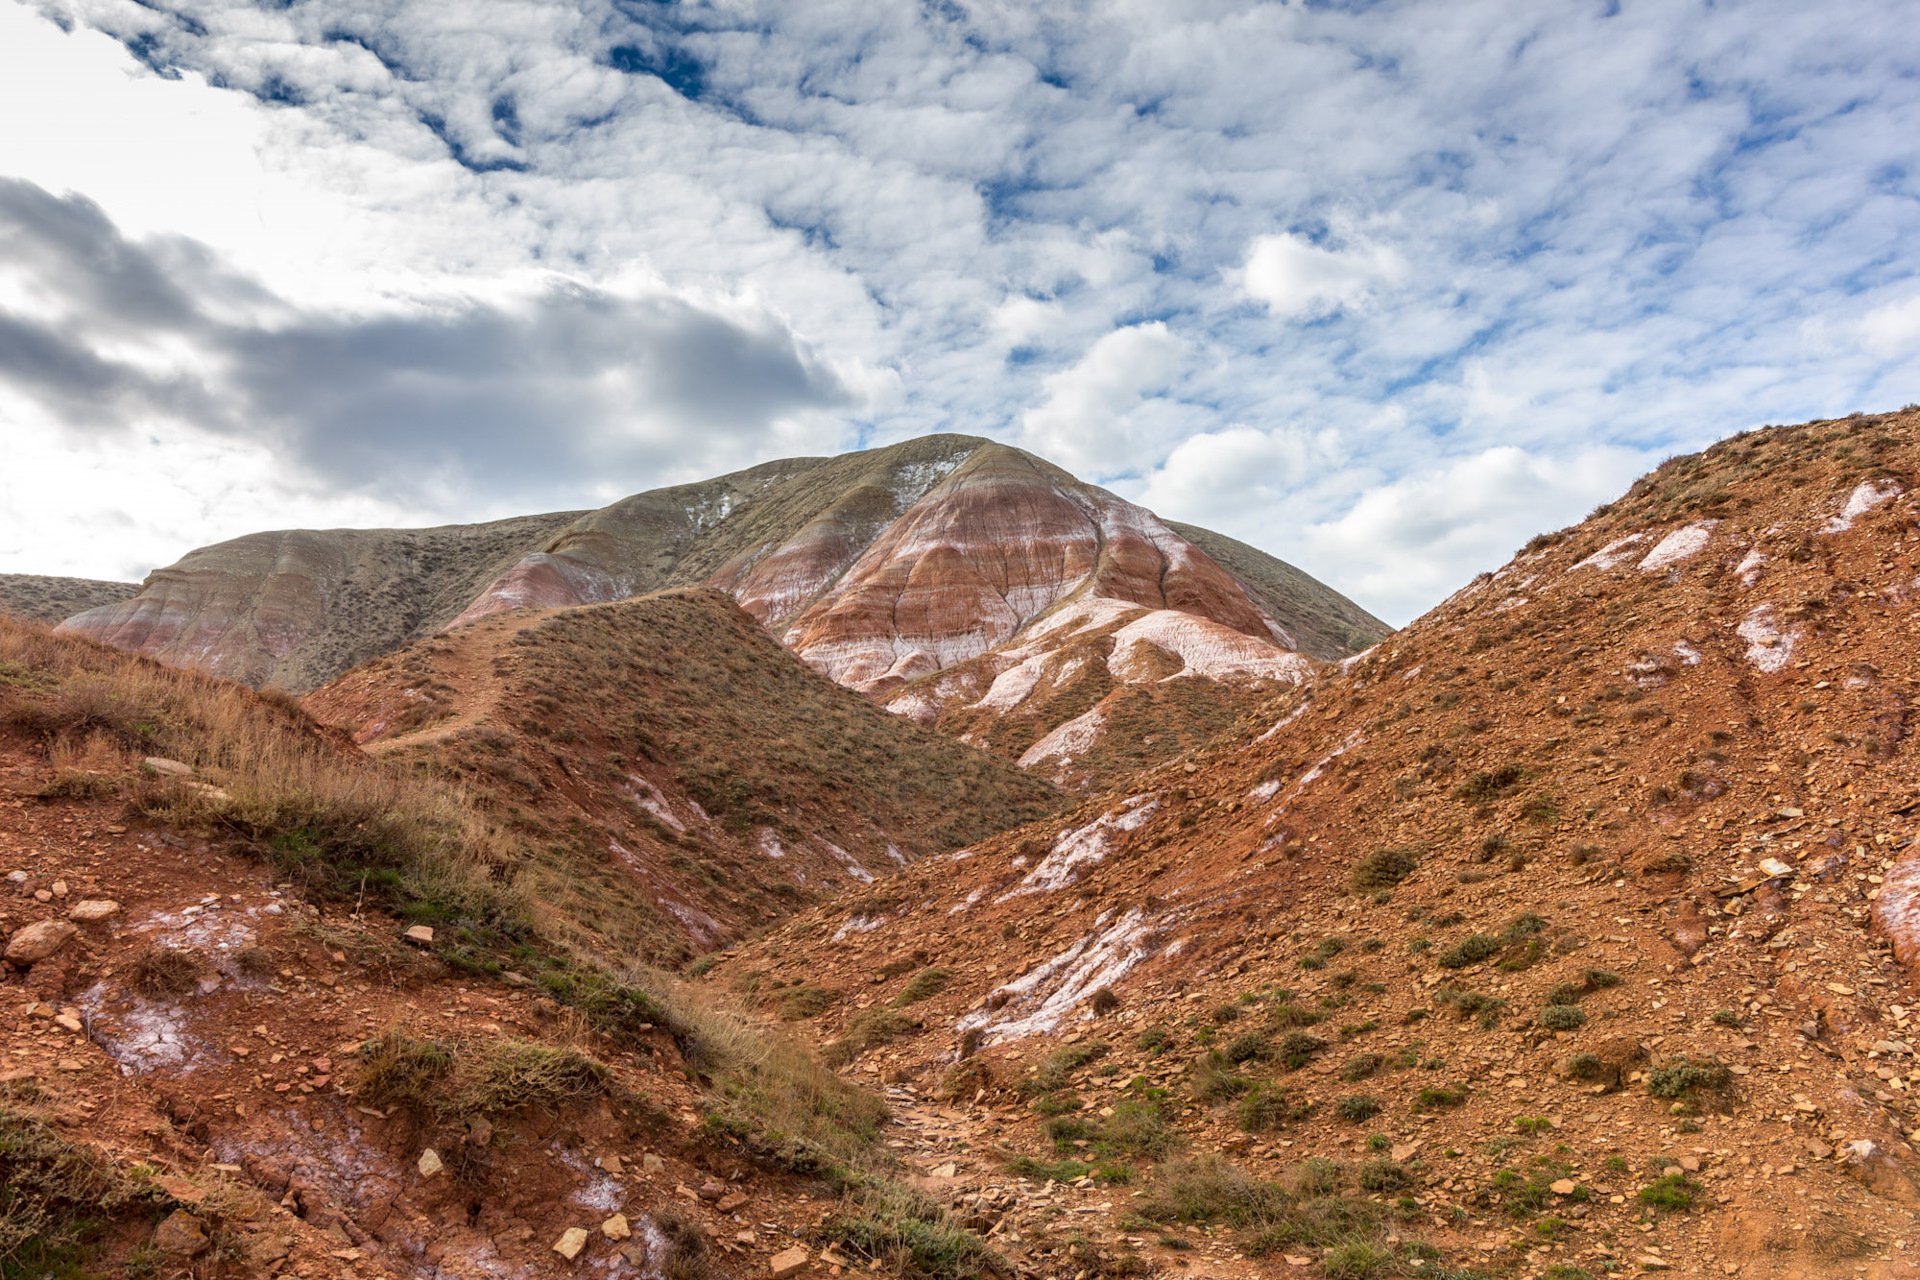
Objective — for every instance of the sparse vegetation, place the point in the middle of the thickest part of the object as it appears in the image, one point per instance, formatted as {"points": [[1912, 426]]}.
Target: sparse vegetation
{"points": [[1562, 1017], [461, 1079], [1358, 1108], [56, 1196], [870, 1030], [164, 971], [1671, 1193], [1383, 869], [1689, 1079]]}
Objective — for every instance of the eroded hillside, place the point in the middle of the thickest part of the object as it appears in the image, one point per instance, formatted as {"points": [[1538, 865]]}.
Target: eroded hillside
{"points": [[50, 600], [283, 1009], [1563, 931], [681, 778]]}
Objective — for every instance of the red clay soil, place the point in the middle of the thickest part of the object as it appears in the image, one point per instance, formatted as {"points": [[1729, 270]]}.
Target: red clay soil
{"points": [[1591, 881], [231, 1088]]}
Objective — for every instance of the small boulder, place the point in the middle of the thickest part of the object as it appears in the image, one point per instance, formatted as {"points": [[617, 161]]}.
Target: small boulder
{"points": [[93, 910], [172, 768], [1882, 1171], [420, 935], [787, 1263], [38, 941], [430, 1163], [571, 1242], [617, 1227], [181, 1234]]}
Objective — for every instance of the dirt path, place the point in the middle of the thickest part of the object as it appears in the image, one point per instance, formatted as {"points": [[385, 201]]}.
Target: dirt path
{"points": [[469, 667]]}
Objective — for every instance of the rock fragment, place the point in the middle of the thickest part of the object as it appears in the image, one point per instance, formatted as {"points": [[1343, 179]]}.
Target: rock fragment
{"points": [[37, 941], [181, 1234]]}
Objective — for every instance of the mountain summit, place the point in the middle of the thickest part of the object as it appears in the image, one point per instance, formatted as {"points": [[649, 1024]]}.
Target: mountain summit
{"points": [[875, 567]]}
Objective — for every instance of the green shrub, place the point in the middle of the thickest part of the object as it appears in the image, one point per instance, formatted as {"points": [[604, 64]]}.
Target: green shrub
{"points": [[1562, 1017], [1672, 1193], [1687, 1078], [1267, 1107], [1383, 869], [1357, 1260], [924, 984], [1439, 1097], [1298, 1049], [1586, 1066], [1212, 1078], [1470, 950], [1249, 1046], [1362, 1067], [1357, 1108], [1383, 1175]]}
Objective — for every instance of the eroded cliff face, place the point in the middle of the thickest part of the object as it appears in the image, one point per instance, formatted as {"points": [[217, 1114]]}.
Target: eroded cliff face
{"points": [[982, 557]]}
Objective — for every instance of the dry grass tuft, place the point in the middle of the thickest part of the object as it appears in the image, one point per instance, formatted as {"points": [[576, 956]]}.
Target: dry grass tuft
{"points": [[163, 971], [475, 1076]]}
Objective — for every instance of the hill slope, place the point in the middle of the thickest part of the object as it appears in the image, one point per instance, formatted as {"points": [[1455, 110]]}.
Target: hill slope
{"points": [[684, 778], [1580, 913], [296, 608], [222, 1057], [41, 599]]}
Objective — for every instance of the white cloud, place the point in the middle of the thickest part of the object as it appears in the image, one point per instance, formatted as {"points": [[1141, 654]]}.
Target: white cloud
{"points": [[1251, 261], [1407, 544], [1240, 477], [1296, 277], [1098, 414], [1892, 329]]}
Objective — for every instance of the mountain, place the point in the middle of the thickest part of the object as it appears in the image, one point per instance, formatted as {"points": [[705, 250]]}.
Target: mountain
{"points": [[296, 608], [682, 777], [881, 569], [42, 599], [1572, 928]]}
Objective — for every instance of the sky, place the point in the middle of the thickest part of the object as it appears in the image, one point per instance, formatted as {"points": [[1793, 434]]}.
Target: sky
{"points": [[1382, 287]]}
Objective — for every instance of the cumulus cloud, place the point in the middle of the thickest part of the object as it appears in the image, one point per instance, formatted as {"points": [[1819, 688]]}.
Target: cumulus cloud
{"points": [[1295, 277], [1097, 408], [1412, 541], [1892, 329], [1241, 478]]}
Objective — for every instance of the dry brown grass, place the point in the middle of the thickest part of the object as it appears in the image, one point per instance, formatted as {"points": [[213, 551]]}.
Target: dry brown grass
{"points": [[167, 971], [333, 819], [461, 1078]]}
